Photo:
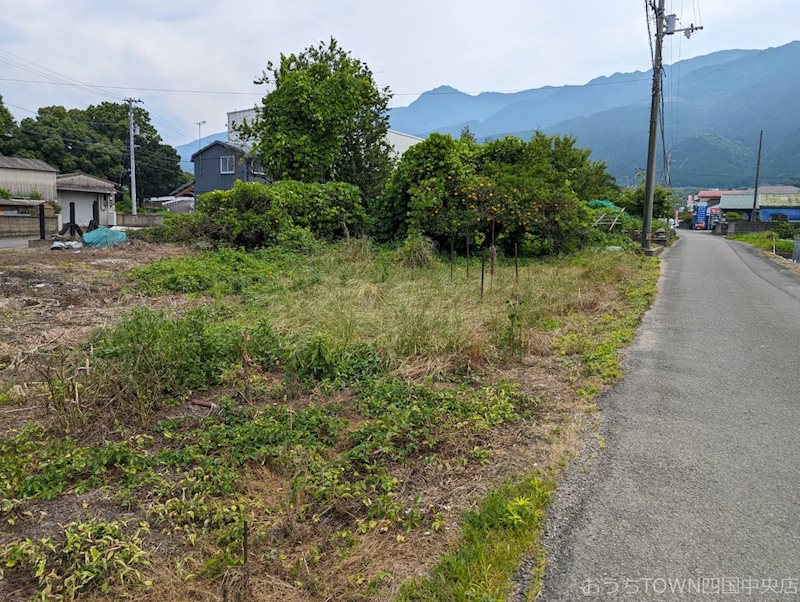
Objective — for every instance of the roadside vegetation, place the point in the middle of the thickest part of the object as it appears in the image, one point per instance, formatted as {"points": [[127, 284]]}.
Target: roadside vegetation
{"points": [[779, 241]]}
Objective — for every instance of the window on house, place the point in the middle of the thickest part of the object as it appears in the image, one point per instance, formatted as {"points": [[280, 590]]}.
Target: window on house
{"points": [[227, 164], [257, 169]]}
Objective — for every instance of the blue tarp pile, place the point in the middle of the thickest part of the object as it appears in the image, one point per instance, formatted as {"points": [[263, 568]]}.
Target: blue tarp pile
{"points": [[102, 238]]}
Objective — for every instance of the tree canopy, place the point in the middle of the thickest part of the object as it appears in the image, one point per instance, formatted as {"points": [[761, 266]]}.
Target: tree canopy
{"points": [[524, 193], [326, 120], [95, 140], [632, 200]]}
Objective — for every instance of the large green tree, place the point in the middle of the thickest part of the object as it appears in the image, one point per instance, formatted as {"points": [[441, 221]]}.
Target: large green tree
{"points": [[7, 126], [632, 199], [95, 140], [325, 120]]}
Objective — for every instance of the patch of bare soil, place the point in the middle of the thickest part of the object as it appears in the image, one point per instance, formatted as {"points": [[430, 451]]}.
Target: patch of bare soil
{"points": [[56, 298]]}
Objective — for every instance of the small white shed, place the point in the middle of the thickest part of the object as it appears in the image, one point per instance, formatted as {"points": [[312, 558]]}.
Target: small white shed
{"points": [[93, 198]]}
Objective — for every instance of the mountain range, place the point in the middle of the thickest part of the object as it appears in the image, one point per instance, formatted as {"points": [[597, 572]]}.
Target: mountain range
{"points": [[714, 107]]}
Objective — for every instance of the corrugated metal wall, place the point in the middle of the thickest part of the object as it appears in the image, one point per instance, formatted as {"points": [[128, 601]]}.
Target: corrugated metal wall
{"points": [[24, 182]]}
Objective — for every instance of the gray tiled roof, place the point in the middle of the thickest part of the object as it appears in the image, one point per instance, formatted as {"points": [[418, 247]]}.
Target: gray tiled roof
{"points": [[20, 163], [84, 182]]}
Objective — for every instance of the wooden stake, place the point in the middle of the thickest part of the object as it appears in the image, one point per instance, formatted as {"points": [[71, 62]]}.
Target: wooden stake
{"points": [[516, 264], [468, 260], [452, 255], [483, 272], [492, 254]]}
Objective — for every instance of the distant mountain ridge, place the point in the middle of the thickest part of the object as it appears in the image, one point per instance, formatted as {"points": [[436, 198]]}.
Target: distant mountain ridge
{"points": [[187, 150], [718, 103]]}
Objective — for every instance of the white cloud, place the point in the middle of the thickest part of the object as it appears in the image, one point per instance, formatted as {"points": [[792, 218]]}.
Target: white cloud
{"points": [[411, 46]]}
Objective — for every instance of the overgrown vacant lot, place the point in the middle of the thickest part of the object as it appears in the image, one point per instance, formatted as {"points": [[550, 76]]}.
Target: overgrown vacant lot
{"points": [[334, 425]]}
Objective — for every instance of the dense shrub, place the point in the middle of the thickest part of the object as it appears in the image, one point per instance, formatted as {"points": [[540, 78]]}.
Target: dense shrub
{"points": [[733, 216], [785, 229], [253, 215]]}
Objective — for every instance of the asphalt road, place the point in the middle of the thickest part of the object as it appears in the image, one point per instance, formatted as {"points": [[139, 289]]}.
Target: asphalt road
{"points": [[695, 478]]}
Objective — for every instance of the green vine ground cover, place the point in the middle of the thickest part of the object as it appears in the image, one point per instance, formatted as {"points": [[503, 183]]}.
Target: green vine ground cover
{"points": [[338, 376]]}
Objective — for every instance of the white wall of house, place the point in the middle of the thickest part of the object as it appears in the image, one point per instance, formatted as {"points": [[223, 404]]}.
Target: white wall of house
{"points": [[401, 142], [236, 118], [83, 207], [21, 183]]}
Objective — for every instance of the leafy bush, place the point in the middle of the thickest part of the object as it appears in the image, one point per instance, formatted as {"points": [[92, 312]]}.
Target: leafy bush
{"points": [[255, 215], [417, 251], [146, 360], [733, 216], [223, 272], [5, 193], [91, 555], [785, 229]]}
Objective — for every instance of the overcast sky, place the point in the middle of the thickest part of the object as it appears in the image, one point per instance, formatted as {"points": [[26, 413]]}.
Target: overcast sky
{"points": [[411, 45]]}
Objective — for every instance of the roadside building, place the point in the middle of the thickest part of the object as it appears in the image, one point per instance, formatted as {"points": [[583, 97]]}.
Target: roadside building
{"points": [[30, 183], [219, 164], [774, 203], [740, 202], [26, 178]]}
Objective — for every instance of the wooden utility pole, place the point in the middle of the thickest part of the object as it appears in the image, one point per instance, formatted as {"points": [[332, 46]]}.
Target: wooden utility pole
{"points": [[758, 174], [655, 101]]}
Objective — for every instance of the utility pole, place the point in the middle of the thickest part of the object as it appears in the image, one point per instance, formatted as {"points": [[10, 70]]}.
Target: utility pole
{"points": [[199, 125], [131, 127], [758, 173], [665, 26]]}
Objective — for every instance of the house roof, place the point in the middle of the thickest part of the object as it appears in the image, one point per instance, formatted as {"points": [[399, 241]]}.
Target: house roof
{"points": [[234, 148], [741, 200], [398, 133], [83, 182], [21, 163], [779, 200], [183, 189], [773, 190], [20, 203], [703, 194]]}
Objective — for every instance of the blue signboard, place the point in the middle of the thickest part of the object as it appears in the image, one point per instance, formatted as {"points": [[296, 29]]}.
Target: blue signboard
{"points": [[701, 215]]}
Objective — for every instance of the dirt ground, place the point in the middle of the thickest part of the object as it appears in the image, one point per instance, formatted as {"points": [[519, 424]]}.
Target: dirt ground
{"points": [[55, 298]]}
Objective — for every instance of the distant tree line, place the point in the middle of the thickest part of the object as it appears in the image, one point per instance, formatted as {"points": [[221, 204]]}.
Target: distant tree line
{"points": [[95, 141]]}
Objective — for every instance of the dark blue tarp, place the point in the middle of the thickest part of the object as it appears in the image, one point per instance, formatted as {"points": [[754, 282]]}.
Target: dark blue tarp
{"points": [[104, 237]]}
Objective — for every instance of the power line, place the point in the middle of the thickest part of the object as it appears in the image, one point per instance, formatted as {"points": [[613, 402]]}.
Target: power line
{"points": [[262, 93], [54, 76]]}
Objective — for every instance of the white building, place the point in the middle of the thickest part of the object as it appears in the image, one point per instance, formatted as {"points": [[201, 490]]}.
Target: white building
{"points": [[400, 141], [92, 197]]}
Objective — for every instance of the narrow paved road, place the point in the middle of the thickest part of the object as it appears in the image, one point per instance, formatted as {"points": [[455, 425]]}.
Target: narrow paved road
{"points": [[698, 485]]}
